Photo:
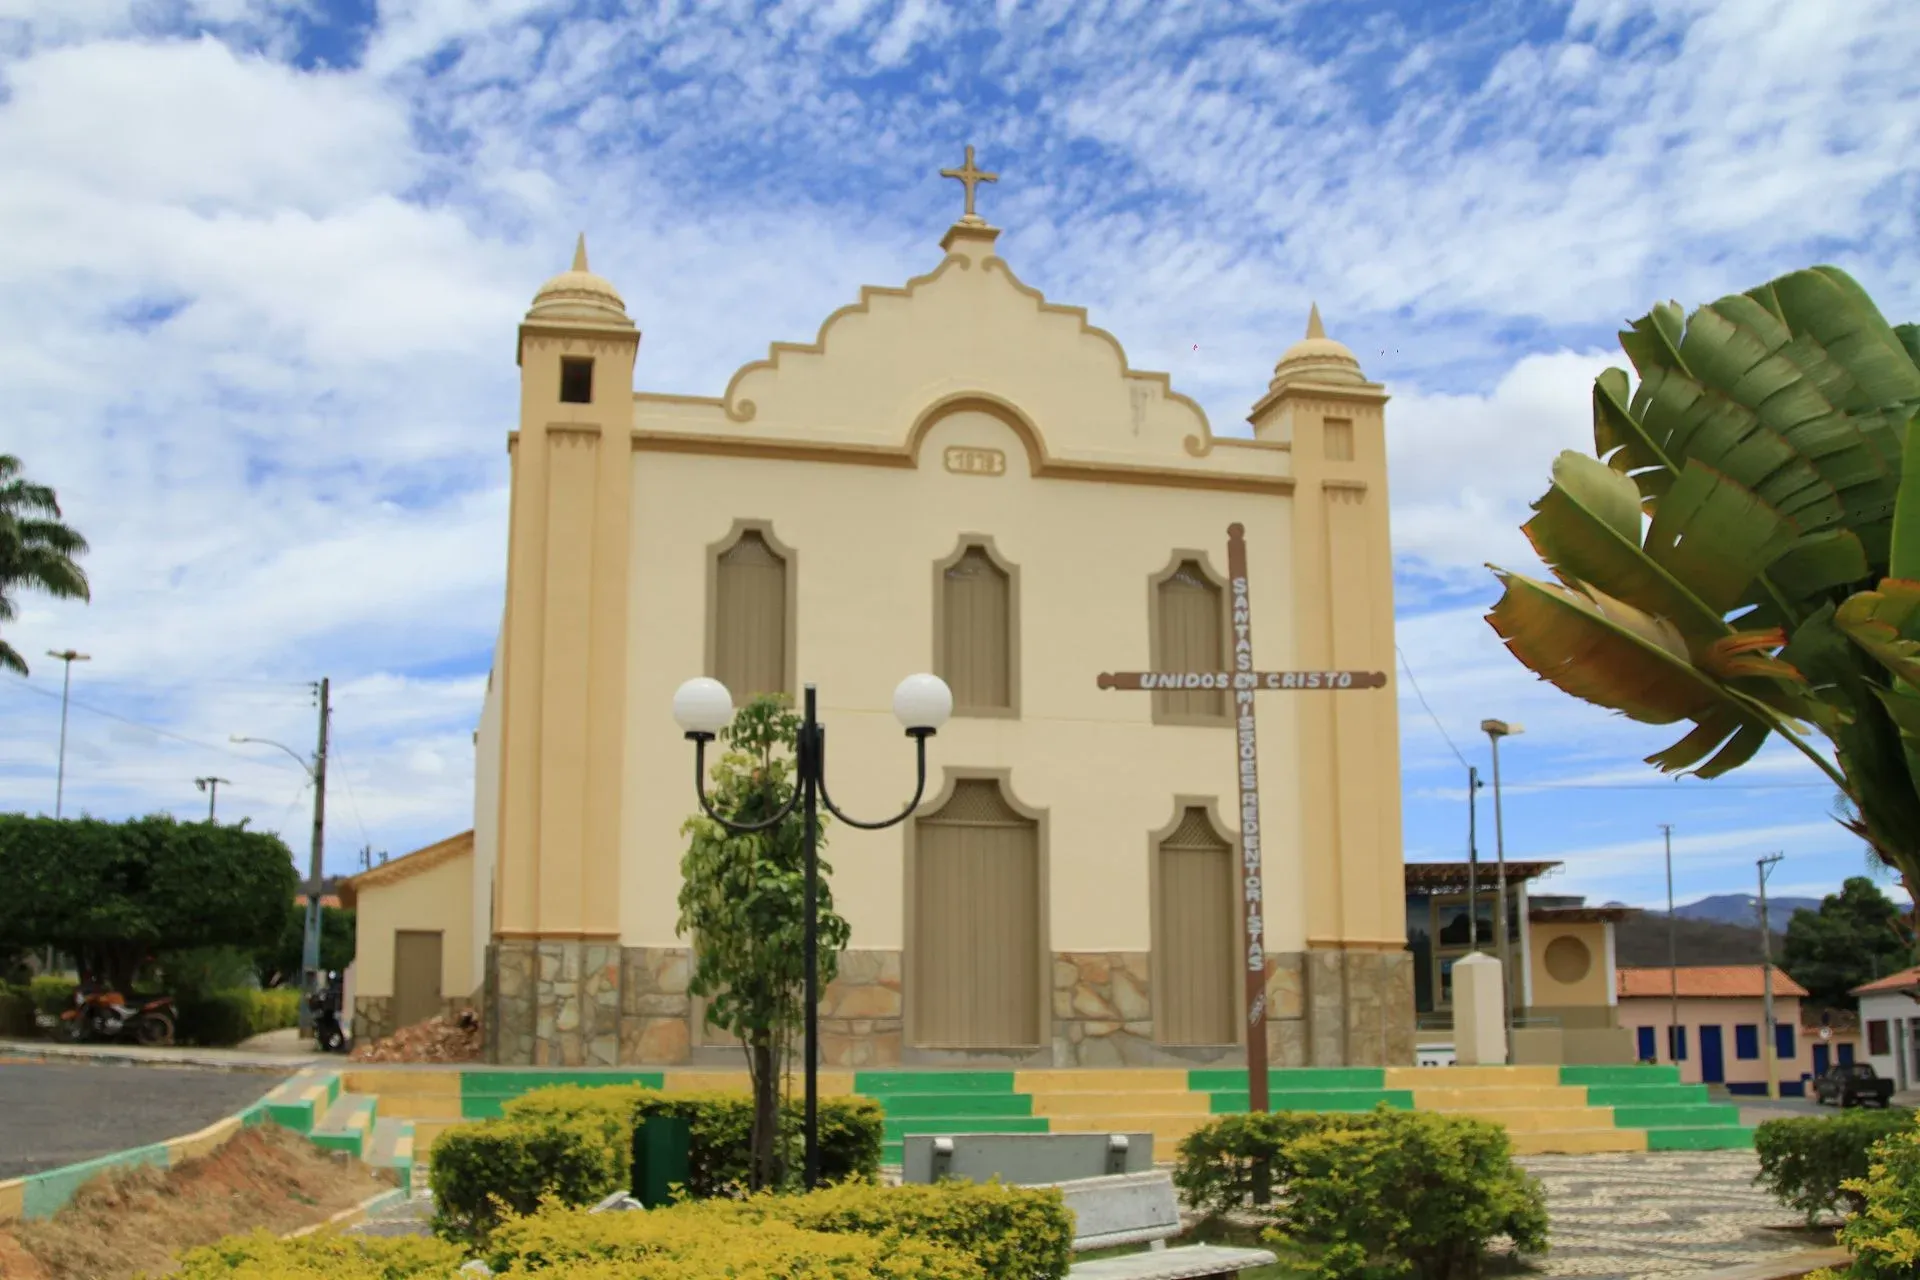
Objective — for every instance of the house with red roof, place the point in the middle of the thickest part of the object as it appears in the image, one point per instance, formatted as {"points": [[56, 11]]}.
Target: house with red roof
{"points": [[1720, 1034]]}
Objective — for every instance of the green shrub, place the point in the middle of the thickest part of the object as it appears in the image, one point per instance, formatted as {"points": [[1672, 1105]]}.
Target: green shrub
{"points": [[1371, 1196], [715, 1238], [264, 1256], [16, 1013], [1884, 1236], [1011, 1233], [1806, 1162], [721, 1125], [228, 1017], [51, 994], [482, 1172]]}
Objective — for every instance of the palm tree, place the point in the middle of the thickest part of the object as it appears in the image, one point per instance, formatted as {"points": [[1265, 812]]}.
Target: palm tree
{"points": [[36, 549]]}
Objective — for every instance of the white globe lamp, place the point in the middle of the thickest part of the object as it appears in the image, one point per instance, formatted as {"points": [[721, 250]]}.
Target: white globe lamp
{"points": [[922, 703], [702, 705]]}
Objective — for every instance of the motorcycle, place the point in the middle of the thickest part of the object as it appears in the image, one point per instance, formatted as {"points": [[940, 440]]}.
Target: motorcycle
{"points": [[324, 1007], [101, 1014]]}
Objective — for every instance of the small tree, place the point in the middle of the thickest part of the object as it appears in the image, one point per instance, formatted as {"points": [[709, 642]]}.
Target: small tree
{"points": [[279, 962], [113, 894], [742, 902]]}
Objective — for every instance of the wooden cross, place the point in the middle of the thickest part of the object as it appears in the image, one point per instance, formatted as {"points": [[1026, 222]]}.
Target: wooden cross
{"points": [[968, 176], [1244, 681]]}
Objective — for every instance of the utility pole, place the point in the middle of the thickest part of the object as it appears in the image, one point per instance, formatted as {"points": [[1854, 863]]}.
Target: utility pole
{"points": [[1766, 977], [68, 656], [1496, 730], [1673, 955], [1473, 859], [212, 787], [310, 948]]}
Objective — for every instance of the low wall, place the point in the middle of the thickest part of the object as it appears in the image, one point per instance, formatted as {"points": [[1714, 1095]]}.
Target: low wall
{"points": [[41, 1195]]}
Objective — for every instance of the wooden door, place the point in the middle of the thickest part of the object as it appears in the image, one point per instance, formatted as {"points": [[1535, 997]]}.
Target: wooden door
{"points": [[416, 976], [974, 940], [1197, 936]]}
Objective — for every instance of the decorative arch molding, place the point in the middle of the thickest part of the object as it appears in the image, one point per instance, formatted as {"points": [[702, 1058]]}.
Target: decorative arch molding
{"points": [[1209, 807], [985, 545], [1202, 561], [791, 560], [1002, 410], [953, 776]]}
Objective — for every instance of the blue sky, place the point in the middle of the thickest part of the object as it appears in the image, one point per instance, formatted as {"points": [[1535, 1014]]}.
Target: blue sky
{"points": [[260, 265]]}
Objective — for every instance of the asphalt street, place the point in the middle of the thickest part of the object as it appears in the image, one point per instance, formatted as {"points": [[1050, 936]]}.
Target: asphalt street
{"points": [[53, 1115]]}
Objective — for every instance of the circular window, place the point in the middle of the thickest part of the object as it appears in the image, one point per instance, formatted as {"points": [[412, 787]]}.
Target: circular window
{"points": [[1568, 960]]}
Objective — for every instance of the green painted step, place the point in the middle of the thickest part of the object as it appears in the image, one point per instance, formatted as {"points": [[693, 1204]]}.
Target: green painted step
{"points": [[1230, 1102], [881, 1084], [903, 1105], [1647, 1095], [1637, 1073], [1710, 1116], [894, 1130], [346, 1125], [288, 1107], [1303, 1079], [1716, 1138]]}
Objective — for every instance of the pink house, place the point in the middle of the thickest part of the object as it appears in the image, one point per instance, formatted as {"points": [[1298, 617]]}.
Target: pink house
{"points": [[1722, 1020]]}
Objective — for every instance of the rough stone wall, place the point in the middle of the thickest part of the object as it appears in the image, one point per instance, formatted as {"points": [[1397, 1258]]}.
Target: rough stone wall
{"points": [[1359, 1008], [861, 1012], [1286, 1010], [656, 1009], [576, 993], [372, 1018], [1102, 1009], [511, 981]]}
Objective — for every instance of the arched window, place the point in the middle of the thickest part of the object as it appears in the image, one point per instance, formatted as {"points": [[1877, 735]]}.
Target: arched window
{"points": [[1196, 934], [1189, 634], [976, 631], [752, 617]]}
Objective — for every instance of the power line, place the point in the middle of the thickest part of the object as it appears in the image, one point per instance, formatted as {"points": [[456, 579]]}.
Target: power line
{"points": [[1408, 668], [141, 724], [287, 817], [352, 800]]}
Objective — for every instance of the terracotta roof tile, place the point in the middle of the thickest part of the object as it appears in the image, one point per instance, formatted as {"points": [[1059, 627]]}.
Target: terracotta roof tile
{"points": [[1894, 982], [1709, 981]]}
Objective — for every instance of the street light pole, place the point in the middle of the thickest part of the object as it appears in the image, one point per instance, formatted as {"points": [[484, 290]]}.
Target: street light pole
{"points": [[1673, 953], [1473, 859], [1766, 977], [1496, 730], [212, 787], [703, 708], [68, 656]]}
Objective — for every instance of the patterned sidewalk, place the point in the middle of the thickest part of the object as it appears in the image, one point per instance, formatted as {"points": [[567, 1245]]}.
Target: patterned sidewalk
{"points": [[1649, 1217]]}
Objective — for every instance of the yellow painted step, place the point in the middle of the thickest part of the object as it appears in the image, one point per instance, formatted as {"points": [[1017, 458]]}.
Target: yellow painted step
{"points": [[1171, 1128], [1465, 1099], [389, 1082], [1119, 1104], [1542, 1119], [1472, 1077], [832, 1084], [1120, 1080], [1578, 1142], [427, 1132], [420, 1106]]}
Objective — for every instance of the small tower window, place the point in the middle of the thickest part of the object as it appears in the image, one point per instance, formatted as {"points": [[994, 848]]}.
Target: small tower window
{"points": [[576, 380]]}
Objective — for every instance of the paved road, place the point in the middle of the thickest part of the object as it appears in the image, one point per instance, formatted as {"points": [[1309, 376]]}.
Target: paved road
{"points": [[53, 1115]]}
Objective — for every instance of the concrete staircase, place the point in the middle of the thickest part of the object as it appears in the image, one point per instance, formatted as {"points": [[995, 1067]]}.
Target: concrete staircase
{"points": [[314, 1103]]}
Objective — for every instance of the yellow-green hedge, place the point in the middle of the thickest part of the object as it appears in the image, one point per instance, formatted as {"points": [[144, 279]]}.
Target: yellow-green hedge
{"points": [[1001, 1232], [264, 1256]]}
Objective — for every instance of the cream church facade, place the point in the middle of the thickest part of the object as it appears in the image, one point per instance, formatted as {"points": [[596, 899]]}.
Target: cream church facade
{"points": [[961, 477]]}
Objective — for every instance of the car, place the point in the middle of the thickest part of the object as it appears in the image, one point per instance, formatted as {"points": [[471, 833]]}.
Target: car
{"points": [[1853, 1085]]}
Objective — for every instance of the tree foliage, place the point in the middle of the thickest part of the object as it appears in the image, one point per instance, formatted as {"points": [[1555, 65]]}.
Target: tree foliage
{"points": [[114, 893], [279, 962], [742, 904], [1743, 549], [1857, 935], [37, 551]]}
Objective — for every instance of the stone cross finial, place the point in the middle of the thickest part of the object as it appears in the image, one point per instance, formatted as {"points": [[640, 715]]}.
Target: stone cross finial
{"points": [[968, 176]]}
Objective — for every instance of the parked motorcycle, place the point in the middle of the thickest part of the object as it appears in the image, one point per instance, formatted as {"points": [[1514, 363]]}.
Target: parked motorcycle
{"points": [[102, 1014], [324, 1006]]}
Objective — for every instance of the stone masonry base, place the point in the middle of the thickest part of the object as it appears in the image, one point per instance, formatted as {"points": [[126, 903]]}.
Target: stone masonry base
{"points": [[571, 1003]]}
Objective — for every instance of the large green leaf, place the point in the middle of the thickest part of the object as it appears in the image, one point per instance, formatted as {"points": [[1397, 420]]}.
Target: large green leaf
{"points": [[1716, 536]]}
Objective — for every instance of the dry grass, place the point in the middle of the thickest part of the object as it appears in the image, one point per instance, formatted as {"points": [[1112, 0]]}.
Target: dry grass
{"points": [[131, 1223]]}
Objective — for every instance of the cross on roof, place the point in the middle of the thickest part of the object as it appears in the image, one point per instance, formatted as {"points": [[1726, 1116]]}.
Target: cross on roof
{"points": [[968, 177]]}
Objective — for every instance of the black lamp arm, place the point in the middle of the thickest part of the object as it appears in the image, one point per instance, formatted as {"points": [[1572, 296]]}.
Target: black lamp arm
{"points": [[737, 828], [919, 736]]}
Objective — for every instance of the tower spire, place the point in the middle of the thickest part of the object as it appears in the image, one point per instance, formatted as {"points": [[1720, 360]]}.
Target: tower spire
{"points": [[1314, 328], [580, 253]]}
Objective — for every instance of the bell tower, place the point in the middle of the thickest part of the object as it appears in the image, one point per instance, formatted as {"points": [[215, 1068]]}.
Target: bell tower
{"points": [[1358, 976], [553, 967]]}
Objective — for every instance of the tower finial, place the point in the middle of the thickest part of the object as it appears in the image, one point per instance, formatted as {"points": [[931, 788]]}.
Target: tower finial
{"points": [[580, 253], [968, 176], [1314, 328]]}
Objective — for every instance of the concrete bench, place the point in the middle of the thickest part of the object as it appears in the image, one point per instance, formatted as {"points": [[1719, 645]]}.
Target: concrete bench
{"points": [[1140, 1208], [1024, 1159]]}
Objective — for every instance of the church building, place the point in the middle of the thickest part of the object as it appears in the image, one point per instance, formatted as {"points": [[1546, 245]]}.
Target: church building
{"points": [[955, 476]]}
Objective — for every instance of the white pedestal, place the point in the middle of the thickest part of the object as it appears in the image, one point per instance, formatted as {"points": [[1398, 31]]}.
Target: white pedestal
{"points": [[1479, 1020]]}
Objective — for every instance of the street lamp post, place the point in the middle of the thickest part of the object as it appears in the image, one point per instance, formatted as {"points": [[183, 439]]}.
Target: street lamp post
{"points": [[703, 707], [68, 656], [310, 940], [1496, 730], [1766, 978]]}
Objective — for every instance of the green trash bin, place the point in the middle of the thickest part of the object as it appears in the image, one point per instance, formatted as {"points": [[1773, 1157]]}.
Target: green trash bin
{"points": [[662, 1148]]}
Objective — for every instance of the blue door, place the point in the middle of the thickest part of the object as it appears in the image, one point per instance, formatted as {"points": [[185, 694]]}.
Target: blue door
{"points": [[1819, 1061], [1846, 1054], [1647, 1051], [1713, 1064]]}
